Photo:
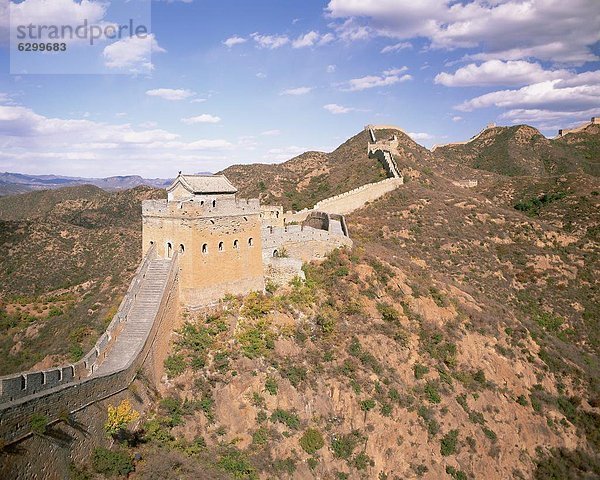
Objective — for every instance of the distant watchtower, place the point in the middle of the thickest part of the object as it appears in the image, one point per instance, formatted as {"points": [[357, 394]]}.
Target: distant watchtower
{"points": [[217, 237]]}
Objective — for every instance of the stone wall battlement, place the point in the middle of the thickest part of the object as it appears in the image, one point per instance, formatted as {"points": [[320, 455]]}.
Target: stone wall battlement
{"points": [[23, 384], [200, 208], [100, 373]]}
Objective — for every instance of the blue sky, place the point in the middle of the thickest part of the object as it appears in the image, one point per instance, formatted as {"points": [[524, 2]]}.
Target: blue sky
{"points": [[262, 81]]}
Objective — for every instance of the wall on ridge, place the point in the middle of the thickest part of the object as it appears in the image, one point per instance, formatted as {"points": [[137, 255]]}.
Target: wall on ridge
{"points": [[45, 458]]}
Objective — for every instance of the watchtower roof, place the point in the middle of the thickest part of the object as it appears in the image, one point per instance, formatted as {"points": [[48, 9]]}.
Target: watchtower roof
{"points": [[204, 184]]}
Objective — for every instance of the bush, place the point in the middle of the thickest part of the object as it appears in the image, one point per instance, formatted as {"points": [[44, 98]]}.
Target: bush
{"points": [[119, 417], [290, 419], [256, 340], [448, 443], [271, 385], [344, 445], [237, 464], [174, 365], [311, 441], [388, 313], [368, 404], [420, 371], [260, 437], [38, 423], [110, 462], [431, 390], [456, 474]]}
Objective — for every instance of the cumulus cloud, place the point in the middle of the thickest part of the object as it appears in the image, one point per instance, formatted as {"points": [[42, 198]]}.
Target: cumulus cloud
{"points": [[330, 68], [132, 54], [338, 109], [388, 77], [549, 95], [507, 30], [204, 118], [543, 117], [497, 72], [235, 40], [296, 91], [312, 38], [270, 41], [419, 136], [32, 141], [172, 94]]}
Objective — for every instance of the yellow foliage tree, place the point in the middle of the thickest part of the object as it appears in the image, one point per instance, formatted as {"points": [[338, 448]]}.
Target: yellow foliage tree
{"points": [[119, 417]]}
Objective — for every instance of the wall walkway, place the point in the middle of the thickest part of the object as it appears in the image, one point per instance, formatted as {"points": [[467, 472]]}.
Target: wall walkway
{"points": [[109, 367]]}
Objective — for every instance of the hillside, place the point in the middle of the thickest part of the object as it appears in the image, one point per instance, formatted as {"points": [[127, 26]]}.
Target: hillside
{"points": [[523, 150], [458, 338], [69, 256], [304, 180], [438, 347]]}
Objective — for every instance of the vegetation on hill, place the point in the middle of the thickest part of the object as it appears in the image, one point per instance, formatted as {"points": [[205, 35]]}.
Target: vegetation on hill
{"points": [[69, 257], [304, 180], [523, 150]]}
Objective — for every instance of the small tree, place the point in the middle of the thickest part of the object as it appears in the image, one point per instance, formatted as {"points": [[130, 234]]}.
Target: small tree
{"points": [[311, 441], [39, 423], [119, 417]]}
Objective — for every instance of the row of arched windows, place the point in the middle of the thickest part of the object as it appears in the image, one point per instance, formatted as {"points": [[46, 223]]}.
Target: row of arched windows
{"points": [[204, 249]]}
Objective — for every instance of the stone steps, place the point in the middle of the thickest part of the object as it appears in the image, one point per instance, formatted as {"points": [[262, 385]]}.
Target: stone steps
{"points": [[140, 318]]}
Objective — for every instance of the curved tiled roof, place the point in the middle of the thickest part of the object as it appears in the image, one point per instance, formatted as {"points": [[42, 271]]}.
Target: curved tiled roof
{"points": [[204, 184]]}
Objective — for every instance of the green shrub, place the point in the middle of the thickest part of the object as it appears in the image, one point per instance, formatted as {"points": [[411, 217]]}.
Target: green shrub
{"points": [[456, 474], [368, 404], [388, 313], [448, 443], [111, 463], [271, 385], [420, 371], [522, 400], [290, 419], [344, 445], [362, 461], [38, 423], [431, 390], [260, 437], [256, 340], [311, 441], [174, 365], [237, 464], [490, 434]]}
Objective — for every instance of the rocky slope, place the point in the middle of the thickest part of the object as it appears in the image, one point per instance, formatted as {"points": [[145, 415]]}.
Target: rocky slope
{"points": [[457, 339], [523, 150]]}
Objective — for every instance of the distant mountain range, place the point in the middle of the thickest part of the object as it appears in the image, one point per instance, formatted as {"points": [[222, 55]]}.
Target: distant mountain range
{"points": [[13, 183]]}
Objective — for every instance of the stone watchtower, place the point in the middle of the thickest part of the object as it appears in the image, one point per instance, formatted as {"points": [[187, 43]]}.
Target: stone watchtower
{"points": [[217, 237]]}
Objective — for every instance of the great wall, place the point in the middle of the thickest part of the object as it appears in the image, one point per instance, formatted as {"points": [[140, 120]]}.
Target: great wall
{"points": [[199, 244], [566, 131]]}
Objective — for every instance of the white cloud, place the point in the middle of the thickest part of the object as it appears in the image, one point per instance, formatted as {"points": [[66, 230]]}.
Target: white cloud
{"points": [[198, 100], [33, 142], [396, 47], [337, 109], [549, 95], [296, 91], [132, 54], [270, 41], [420, 136], [457, 118], [497, 72], [283, 153], [388, 77], [204, 118], [330, 68], [172, 94], [541, 116], [562, 32], [312, 38], [271, 133], [261, 75], [235, 40]]}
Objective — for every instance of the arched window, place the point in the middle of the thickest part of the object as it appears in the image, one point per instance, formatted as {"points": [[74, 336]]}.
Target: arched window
{"points": [[275, 253], [277, 214], [169, 250], [23, 382], [250, 242], [151, 243], [202, 203], [236, 244], [220, 246], [181, 248], [205, 248], [214, 203]]}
